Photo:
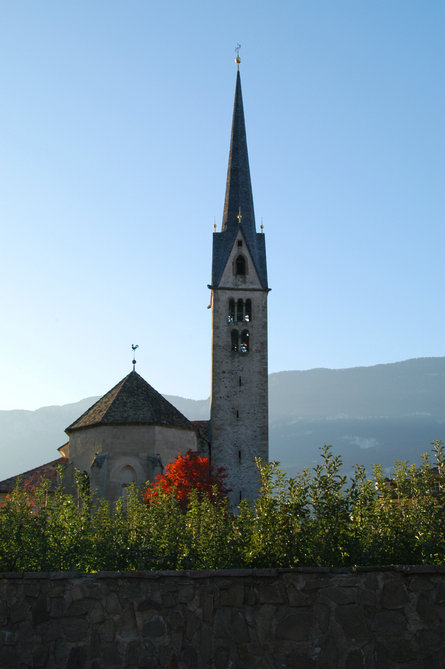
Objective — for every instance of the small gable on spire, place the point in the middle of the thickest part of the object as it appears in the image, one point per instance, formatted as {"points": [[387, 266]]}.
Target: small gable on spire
{"points": [[240, 269]]}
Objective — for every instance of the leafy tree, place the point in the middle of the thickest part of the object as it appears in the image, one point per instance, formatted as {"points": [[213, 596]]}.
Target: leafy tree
{"points": [[187, 474]]}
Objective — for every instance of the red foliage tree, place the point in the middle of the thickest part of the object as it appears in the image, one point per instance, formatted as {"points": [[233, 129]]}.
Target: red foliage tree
{"points": [[187, 473]]}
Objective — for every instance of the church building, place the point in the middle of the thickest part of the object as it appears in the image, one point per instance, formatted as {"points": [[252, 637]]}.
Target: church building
{"points": [[132, 432]]}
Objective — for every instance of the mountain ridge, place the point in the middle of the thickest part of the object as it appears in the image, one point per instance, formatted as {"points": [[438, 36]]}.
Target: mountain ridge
{"points": [[373, 414]]}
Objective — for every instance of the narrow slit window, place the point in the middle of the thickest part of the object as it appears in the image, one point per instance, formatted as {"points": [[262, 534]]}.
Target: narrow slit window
{"points": [[234, 336], [248, 311], [231, 314], [240, 266], [239, 381], [244, 346], [239, 311], [239, 457]]}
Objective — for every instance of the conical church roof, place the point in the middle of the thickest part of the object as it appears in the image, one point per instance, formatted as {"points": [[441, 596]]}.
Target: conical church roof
{"points": [[131, 401]]}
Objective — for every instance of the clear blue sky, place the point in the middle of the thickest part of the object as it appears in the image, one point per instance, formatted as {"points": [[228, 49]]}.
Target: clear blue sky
{"points": [[115, 122]]}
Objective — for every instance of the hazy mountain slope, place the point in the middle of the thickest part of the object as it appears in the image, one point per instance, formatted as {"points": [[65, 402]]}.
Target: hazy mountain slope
{"points": [[369, 414], [30, 438], [364, 441], [402, 388], [193, 409]]}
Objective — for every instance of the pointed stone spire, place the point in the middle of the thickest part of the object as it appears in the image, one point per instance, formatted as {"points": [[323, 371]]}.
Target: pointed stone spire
{"points": [[238, 204], [239, 199]]}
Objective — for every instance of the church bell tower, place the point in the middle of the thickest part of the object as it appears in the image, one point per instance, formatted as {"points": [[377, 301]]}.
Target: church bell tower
{"points": [[239, 395]]}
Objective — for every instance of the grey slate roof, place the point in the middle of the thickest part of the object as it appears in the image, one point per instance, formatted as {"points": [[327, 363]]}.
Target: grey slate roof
{"points": [[131, 401], [238, 197]]}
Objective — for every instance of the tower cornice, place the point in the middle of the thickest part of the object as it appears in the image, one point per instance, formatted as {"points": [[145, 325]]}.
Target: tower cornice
{"points": [[239, 289]]}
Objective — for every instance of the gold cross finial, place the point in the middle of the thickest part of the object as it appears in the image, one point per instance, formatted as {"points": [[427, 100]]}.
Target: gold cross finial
{"points": [[237, 59]]}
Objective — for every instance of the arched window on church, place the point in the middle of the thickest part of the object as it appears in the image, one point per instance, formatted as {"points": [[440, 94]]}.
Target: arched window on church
{"points": [[231, 314], [234, 335], [127, 475], [240, 266], [239, 311], [248, 311], [244, 346]]}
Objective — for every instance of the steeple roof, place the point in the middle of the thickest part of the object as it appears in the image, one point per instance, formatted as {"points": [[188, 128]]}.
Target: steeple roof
{"points": [[239, 199], [238, 205], [131, 401]]}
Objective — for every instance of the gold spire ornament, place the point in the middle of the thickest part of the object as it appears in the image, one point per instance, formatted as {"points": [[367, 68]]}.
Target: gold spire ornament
{"points": [[237, 59]]}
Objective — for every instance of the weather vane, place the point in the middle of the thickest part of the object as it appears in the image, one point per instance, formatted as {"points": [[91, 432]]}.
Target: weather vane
{"points": [[134, 347], [237, 59]]}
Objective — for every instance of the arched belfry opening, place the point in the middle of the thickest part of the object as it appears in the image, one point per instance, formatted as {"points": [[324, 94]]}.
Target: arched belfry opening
{"points": [[245, 341], [234, 341], [239, 311]]}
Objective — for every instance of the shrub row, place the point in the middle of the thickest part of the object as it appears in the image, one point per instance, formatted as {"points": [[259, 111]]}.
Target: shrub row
{"points": [[319, 518]]}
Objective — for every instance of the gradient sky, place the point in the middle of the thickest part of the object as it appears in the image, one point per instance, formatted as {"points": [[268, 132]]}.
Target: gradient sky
{"points": [[115, 123]]}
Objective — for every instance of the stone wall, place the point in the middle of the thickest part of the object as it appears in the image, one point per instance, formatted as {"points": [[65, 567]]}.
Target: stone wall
{"points": [[301, 618]]}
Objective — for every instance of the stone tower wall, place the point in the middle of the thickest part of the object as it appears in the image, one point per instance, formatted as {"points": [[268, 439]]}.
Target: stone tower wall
{"points": [[239, 400]]}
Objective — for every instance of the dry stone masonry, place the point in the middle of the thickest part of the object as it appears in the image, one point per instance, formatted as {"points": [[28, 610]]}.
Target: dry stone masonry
{"points": [[373, 618]]}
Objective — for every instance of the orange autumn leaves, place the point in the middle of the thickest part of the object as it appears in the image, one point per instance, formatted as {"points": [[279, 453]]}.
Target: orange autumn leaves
{"points": [[186, 475]]}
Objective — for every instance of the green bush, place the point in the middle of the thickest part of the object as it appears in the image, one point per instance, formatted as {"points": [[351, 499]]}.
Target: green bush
{"points": [[318, 518]]}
